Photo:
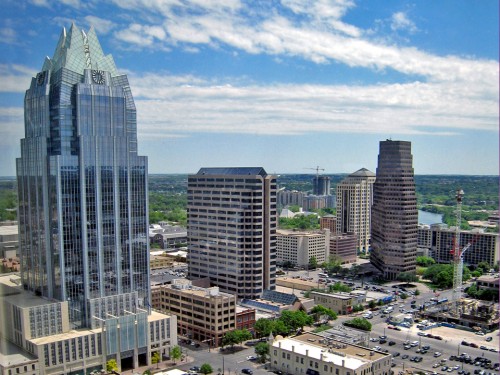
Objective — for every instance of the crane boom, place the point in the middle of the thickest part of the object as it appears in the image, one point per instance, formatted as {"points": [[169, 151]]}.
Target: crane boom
{"points": [[317, 169]]}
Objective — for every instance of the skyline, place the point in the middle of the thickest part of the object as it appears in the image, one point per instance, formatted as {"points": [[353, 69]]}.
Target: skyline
{"points": [[281, 85]]}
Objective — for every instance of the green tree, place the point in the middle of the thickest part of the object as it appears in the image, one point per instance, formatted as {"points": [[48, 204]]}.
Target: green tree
{"points": [[320, 310], [417, 292], [175, 353], [206, 369], [263, 327], [476, 273], [333, 265], [235, 337], [483, 266], [359, 323], [338, 287], [372, 304], [111, 365], [313, 263], [358, 308], [146, 372], [403, 296], [424, 261], [407, 277], [294, 320], [262, 350], [155, 358]]}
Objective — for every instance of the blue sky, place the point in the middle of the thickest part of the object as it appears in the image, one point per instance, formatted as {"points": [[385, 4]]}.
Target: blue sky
{"points": [[282, 84]]}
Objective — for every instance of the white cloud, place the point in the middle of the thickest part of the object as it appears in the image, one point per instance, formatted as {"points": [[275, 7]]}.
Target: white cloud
{"points": [[170, 105], [41, 3], [101, 25], [400, 21], [8, 35], [15, 78]]}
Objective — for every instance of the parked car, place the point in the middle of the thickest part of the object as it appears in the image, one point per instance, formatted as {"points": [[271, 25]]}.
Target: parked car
{"points": [[247, 371]]}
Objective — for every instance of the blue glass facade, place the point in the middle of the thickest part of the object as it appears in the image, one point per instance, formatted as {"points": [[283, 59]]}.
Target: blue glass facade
{"points": [[83, 208]]}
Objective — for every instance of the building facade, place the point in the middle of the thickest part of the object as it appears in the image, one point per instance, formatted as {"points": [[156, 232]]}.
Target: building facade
{"points": [[341, 303], [321, 185], [354, 204], [203, 314], [343, 246], [311, 354], [394, 211], [328, 222], [439, 240], [291, 198], [232, 221], [317, 202], [83, 202], [298, 247]]}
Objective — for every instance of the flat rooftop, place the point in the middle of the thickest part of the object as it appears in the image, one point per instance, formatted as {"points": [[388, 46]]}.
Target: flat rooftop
{"points": [[338, 353]]}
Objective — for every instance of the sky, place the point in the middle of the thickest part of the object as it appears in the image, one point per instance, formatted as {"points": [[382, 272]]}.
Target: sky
{"points": [[288, 85]]}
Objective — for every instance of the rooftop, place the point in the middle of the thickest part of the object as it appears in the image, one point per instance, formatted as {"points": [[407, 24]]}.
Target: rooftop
{"points": [[327, 350]]}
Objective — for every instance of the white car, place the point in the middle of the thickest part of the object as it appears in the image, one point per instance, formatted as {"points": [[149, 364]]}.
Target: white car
{"points": [[251, 358], [437, 354]]}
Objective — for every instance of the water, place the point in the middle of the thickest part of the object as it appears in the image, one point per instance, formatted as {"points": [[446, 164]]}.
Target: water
{"points": [[429, 218]]}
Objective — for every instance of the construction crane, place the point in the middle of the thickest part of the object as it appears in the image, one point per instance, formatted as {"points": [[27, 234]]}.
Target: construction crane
{"points": [[458, 254], [317, 169]]}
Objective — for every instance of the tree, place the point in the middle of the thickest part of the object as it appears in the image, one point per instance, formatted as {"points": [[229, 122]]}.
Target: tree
{"points": [[407, 277], [359, 323], [357, 308], [294, 320], [417, 292], [263, 327], [288, 264], [403, 296], [313, 263], [320, 310], [484, 267], [175, 353], [206, 369], [262, 350], [338, 287], [156, 358], [333, 265], [425, 261], [111, 365], [372, 304], [236, 336]]}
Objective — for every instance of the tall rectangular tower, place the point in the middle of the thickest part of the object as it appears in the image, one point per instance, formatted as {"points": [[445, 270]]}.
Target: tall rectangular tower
{"points": [[232, 222], [394, 211], [83, 207], [83, 217], [354, 204]]}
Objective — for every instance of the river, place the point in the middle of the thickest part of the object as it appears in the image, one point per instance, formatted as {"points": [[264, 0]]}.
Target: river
{"points": [[425, 217]]}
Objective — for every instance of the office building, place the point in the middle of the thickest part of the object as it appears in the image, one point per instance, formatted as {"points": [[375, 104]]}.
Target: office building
{"points": [[9, 241], [328, 222], [394, 211], [298, 247], [291, 198], [342, 303], [438, 240], [83, 213], [343, 246], [354, 204], [321, 185], [232, 222], [317, 202], [311, 354], [203, 314]]}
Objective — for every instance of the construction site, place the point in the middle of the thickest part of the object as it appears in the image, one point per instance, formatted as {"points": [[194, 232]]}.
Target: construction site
{"points": [[459, 311]]}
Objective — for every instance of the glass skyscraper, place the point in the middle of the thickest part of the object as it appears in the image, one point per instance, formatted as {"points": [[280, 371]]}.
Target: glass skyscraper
{"points": [[83, 207]]}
